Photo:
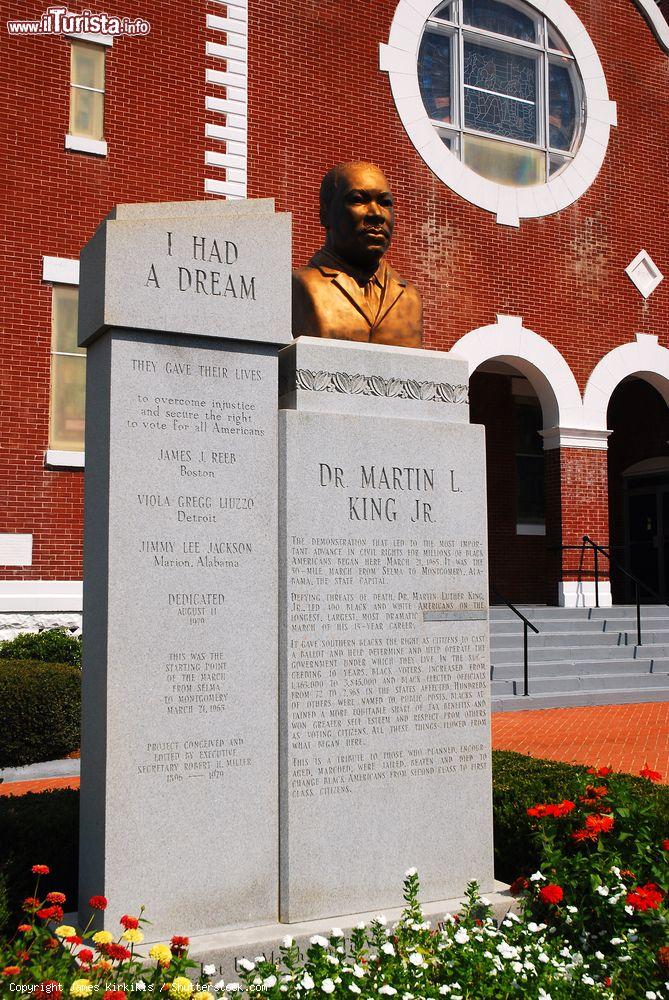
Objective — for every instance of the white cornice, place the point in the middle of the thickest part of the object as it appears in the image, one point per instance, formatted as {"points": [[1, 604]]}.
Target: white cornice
{"points": [[656, 20]]}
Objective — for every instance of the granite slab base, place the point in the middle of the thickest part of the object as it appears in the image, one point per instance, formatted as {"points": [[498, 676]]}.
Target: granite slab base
{"points": [[223, 949]]}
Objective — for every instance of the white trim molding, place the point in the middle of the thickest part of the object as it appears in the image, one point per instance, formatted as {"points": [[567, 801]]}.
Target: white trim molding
{"points": [[538, 360], [88, 36], [80, 144], [399, 58], [644, 273], [656, 20], [575, 437], [40, 595], [64, 459], [60, 270], [643, 358], [227, 111], [581, 594]]}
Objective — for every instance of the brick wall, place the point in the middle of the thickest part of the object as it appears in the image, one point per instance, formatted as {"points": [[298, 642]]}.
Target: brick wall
{"points": [[52, 202]]}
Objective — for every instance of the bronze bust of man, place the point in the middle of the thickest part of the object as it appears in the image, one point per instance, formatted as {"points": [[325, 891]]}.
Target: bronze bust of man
{"points": [[347, 290]]}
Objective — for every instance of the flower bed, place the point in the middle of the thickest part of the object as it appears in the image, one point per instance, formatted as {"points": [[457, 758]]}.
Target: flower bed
{"points": [[593, 923]]}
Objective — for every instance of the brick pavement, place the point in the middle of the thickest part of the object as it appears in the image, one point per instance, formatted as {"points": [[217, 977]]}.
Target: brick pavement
{"points": [[624, 737]]}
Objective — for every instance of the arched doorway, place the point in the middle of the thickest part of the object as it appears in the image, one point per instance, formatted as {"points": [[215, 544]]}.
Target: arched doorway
{"points": [[504, 401], [638, 417]]}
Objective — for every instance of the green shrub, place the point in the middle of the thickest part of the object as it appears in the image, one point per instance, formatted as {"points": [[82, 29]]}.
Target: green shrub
{"points": [[54, 645], [520, 782], [40, 711], [39, 828]]}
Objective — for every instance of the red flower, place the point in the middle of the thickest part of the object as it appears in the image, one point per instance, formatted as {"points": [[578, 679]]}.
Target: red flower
{"points": [[30, 904], [85, 955], [41, 870], [608, 981], [540, 811], [51, 944], [551, 894], [650, 775], [644, 897], [593, 793], [74, 939], [56, 897], [663, 958], [130, 923], [51, 913], [24, 956], [98, 902], [518, 885], [116, 951], [179, 944], [25, 928], [600, 772], [11, 970], [115, 995], [48, 990], [594, 825], [665, 845]]}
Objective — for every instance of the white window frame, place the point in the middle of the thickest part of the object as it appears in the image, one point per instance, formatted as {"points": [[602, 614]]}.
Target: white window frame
{"points": [[399, 58], [82, 143], [62, 271]]}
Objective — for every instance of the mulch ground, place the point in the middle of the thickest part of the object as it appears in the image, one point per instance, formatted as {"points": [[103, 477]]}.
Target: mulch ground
{"points": [[624, 737]]}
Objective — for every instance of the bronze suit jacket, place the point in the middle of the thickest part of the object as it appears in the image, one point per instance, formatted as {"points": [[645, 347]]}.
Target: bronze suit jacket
{"points": [[325, 304]]}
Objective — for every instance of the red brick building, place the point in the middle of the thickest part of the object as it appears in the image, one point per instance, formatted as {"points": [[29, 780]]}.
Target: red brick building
{"points": [[527, 145]]}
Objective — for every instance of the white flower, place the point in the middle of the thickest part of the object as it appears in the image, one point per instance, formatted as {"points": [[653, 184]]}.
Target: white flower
{"points": [[358, 971], [307, 982], [246, 965], [328, 986], [543, 995], [140, 985], [387, 948], [457, 996], [625, 958], [416, 959], [387, 991], [517, 966], [543, 958], [603, 890], [269, 982], [317, 939], [380, 919], [361, 926], [537, 877], [651, 995], [513, 917], [599, 955], [444, 989], [616, 940], [332, 960], [287, 941], [461, 936], [336, 932], [533, 927], [410, 872], [354, 989], [572, 909], [485, 901], [588, 980], [209, 970], [629, 910]]}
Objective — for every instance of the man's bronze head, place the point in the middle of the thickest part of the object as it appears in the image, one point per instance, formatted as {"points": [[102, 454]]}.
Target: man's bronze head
{"points": [[357, 213]]}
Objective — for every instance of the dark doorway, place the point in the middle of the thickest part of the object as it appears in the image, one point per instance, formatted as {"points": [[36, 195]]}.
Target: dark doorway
{"points": [[639, 489]]}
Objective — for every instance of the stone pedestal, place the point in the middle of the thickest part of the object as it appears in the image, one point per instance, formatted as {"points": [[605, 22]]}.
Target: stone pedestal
{"points": [[384, 666], [182, 310]]}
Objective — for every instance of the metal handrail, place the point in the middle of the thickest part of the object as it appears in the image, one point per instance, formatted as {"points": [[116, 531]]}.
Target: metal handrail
{"points": [[635, 579], [526, 624]]}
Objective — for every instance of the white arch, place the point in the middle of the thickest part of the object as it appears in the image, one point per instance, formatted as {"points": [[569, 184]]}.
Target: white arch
{"points": [[644, 358], [537, 359], [656, 20]]}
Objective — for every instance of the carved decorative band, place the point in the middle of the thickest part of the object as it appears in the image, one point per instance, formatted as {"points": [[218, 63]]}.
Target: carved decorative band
{"points": [[376, 385]]}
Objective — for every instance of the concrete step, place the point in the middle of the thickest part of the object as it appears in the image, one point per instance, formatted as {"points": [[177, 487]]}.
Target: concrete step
{"points": [[567, 653], [575, 699], [584, 682], [627, 612], [560, 668], [648, 638], [513, 640]]}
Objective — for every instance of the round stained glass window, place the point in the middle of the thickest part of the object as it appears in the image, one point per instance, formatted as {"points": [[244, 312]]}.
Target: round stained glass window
{"points": [[502, 89]]}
